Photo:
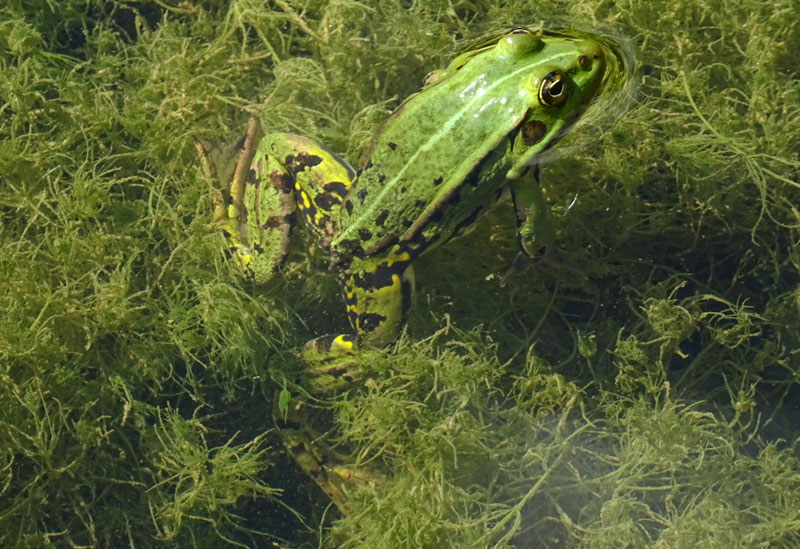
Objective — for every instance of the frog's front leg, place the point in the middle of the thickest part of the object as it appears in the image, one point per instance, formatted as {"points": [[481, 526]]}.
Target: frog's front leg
{"points": [[533, 226], [377, 293], [534, 231]]}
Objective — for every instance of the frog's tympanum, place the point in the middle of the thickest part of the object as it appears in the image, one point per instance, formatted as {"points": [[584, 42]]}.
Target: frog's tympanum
{"points": [[468, 139]]}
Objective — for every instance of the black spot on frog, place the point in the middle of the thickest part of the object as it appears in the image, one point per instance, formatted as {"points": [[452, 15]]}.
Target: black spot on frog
{"points": [[381, 219]]}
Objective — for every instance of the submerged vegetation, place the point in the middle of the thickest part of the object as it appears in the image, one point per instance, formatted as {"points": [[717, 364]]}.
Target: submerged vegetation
{"points": [[650, 402]]}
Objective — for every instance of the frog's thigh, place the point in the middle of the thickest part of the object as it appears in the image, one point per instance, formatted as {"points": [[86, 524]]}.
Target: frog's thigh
{"points": [[260, 237], [377, 294]]}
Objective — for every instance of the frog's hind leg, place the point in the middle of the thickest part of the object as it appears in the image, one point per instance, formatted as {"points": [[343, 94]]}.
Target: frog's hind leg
{"points": [[255, 206], [377, 294]]}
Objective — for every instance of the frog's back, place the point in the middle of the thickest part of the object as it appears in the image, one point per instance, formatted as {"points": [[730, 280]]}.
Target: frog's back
{"points": [[437, 140]]}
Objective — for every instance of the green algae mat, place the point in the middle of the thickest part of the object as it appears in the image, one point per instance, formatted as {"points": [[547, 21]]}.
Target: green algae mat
{"points": [[644, 394]]}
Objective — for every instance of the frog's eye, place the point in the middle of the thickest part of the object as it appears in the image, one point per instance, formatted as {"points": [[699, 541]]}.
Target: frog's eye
{"points": [[519, 30], [553, 90]]}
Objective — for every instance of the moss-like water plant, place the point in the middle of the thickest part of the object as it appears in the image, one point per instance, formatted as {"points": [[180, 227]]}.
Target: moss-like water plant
{"points": [[649, 402]]}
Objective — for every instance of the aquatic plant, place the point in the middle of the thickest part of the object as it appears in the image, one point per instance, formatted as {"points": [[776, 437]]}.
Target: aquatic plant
{"points": [[648, 401]]}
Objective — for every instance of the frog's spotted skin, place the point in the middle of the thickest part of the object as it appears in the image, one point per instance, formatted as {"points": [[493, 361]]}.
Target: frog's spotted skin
{"points": [[438, 163]]}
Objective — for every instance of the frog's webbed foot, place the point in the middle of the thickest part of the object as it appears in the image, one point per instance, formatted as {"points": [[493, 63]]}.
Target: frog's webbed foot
{"points": [[317, 460], [330, 470]]}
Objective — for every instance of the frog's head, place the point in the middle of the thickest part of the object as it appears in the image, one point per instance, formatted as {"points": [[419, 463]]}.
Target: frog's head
{"points": [[561, 75]]}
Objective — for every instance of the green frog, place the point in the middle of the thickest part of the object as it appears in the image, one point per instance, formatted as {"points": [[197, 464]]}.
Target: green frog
{"points": [[449, 153], [470, 138]]}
